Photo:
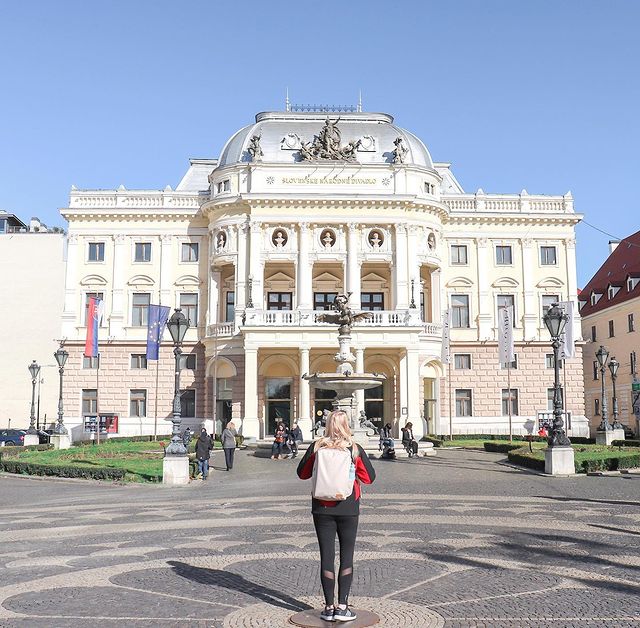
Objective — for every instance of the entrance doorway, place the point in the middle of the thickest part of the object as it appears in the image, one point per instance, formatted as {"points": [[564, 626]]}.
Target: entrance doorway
{"points": [[278, 402], [430, 404]]}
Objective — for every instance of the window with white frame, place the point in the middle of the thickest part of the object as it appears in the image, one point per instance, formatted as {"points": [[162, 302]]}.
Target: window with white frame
{"points": [[462, 361], [188, 361], [611, 329], [142, 252], [96, 252], [189, 252], [596, 407], [189, 307], [630, 322], [464, 402], [459, 254], [548, 256], [507, 301], [460, 311], [504, 255], [596, 369], [90, 361], [89, 400], [509, 400], [140, 309], [138, 403], [547, 302], [548, 360], [188, 403], [632, 282], [138, 361]]}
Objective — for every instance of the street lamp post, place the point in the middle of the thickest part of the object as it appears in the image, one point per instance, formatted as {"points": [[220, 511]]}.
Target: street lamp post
{"points": [[178, 325], [34, 370], [61, 356], [555, 320], [613, 367], [602, 355]]}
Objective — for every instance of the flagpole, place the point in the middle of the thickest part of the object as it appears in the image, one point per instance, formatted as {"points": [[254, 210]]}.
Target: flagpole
{"points": [[450, 403], [97, 401], [155, 412], [509, 400]]}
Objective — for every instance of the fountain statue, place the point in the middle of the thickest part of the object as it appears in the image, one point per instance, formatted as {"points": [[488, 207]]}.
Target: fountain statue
{"points": [[345, 381]]}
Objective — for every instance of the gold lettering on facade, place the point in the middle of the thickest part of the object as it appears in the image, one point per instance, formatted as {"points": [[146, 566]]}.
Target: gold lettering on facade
{"points": [[328, 181]]}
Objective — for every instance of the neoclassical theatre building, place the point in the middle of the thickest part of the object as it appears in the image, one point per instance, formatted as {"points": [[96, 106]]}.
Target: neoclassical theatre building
{"points": [[299, 207]]}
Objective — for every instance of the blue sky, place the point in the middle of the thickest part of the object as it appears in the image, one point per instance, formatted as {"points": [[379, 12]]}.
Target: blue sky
{"points": [[539, 95]]}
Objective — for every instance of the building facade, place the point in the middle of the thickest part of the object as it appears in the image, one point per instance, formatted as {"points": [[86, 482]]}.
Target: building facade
{"points": [[299, 208], [32, 270], [610, 309]]}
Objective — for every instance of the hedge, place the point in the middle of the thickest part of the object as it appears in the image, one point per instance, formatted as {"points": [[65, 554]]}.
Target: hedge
{"points": [[630, 461], [437, 442], [524, 458], [87, 473], [503, 448], [132, 439], [626, 443]]}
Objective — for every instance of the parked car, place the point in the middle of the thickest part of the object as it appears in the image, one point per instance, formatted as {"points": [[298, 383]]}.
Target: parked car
{"points": [[12, 437]]}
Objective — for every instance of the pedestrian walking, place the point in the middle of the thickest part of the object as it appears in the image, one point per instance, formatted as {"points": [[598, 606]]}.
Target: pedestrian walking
{"points": [[228, 439], [337, 466], [278, 441], [204, 445]]}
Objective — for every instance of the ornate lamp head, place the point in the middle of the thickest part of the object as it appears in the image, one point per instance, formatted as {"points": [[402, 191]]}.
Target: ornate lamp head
{"points": [[34, 369], [178, 325], [61, 356], [555, 320], [613, 366], [602, 355]]}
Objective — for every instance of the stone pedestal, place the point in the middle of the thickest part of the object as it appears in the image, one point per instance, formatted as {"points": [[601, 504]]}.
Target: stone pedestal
{"points": [[175, 470], [559, 461], [60, 441], [606, 437], [31, 439]]}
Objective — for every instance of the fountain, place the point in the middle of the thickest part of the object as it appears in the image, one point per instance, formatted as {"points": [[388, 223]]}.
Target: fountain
{"points": [[345, 381]]}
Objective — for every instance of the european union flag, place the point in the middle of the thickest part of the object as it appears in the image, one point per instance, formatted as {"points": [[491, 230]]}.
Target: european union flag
{"points": [[158, 315]]}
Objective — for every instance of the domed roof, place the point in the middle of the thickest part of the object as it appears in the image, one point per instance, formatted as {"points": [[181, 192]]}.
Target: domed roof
{"points": [[283, 133]]}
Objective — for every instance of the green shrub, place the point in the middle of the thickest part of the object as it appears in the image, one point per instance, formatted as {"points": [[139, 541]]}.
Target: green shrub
{"points": [[437, 442], [625, 443], [624, 461], [87, 473], [582, 440], [524, 458], [535, 438], [503, 448], [122, 439]]}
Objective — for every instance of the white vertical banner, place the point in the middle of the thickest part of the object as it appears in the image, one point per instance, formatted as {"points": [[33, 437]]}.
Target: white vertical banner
{"points": [[567, 341], [446, 337], [505, 335]]}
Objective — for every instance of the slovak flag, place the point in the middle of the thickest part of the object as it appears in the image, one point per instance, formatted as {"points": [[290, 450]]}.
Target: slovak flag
{"points": [[94, 315]]}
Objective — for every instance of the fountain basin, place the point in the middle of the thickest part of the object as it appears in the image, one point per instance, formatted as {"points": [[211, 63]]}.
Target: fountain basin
{"points": [[345, 385]]}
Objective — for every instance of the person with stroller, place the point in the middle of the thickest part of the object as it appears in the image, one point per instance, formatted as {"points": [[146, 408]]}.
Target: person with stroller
{"points": [[408, 442], [279, 439], [387, 446], [294, 438]]}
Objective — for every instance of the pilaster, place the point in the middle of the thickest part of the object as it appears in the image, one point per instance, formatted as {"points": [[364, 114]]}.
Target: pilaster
{"points": [[530, 316], [353, 267], [305, 269], [118, 316], [485, 305], [256, 266], [304, 418], [400, 269], [250, 422], [69, 315]]}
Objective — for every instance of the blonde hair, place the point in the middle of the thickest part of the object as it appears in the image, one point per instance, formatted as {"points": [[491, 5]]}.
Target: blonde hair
{"points": [[231, 425], [337, 433]]}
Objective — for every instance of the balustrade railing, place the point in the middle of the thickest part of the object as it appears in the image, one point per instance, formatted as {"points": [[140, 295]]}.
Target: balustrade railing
{"points": [[510, 203], [221, 329]]}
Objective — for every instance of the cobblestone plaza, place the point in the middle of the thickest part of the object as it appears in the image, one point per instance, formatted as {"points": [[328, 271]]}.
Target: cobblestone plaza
{"points": [[461, 541]]}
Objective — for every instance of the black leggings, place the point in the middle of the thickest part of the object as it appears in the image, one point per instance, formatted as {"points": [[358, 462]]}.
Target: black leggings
{"points": [[326, 528], [229, 452]]}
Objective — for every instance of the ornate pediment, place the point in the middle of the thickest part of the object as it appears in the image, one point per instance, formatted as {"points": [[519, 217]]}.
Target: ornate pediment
{"points": [[326, 146]]}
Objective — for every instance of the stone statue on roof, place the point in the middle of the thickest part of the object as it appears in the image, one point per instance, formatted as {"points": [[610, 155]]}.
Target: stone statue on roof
{"points": [[254, 148]]}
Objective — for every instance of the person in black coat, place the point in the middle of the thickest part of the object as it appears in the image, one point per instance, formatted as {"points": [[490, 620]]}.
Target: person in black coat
{"points": [[204, 445], [408, 442]]}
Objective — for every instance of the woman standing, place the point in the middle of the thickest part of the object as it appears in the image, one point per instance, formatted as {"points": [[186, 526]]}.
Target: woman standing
{"points": [[337, 517], [228, 439]]}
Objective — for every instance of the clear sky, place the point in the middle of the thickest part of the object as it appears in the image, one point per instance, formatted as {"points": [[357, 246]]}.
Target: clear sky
{"points": [[516, 94]]}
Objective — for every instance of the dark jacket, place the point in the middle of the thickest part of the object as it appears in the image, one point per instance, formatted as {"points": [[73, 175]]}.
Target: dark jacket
{"points": [[295, 434], [204, 445], [365, 473], [407, 436]]}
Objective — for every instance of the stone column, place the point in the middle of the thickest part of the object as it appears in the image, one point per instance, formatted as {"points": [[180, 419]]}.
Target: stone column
{"points": [[304, 418], [530, 314], [413, 265], [400, 270], [359, 369], [413, 393], [214, 297], [240, 271], [353, 267], [250, 422], [436, 296], [256, 266], [305, 269], [485, 304], [70, 319], [402, 389], [118, 317]]}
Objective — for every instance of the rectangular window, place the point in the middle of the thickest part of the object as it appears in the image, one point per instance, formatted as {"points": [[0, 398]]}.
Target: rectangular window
{"points": [[279, 300], [503, 255], [188, 361], [189, 252], [550, 399], [593, 333], [226, 185], [374, 404], [596, 369], [463, 402], [514, 364], [548, 256], [142, 252], [630, 323], [459, 254], [138, 403], [138, 361], [323, 300], [90, 362], [89, 400], [547, 302], [140, 309], [372, 301], [510, 399], [96, 251], [460, 311], [507, 300], [230, 302], [611, 329], [188, 404], [462, 361], [549, 361], [189, 307], [88, 295], [596, 407], [632, 362]]}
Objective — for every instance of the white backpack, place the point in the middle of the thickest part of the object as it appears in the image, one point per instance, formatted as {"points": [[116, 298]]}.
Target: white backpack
{"points": [[334, 472]]}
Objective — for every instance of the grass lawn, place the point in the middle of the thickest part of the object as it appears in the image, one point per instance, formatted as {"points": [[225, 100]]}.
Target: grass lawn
{"points": [[141, 461], [591, 452]]}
